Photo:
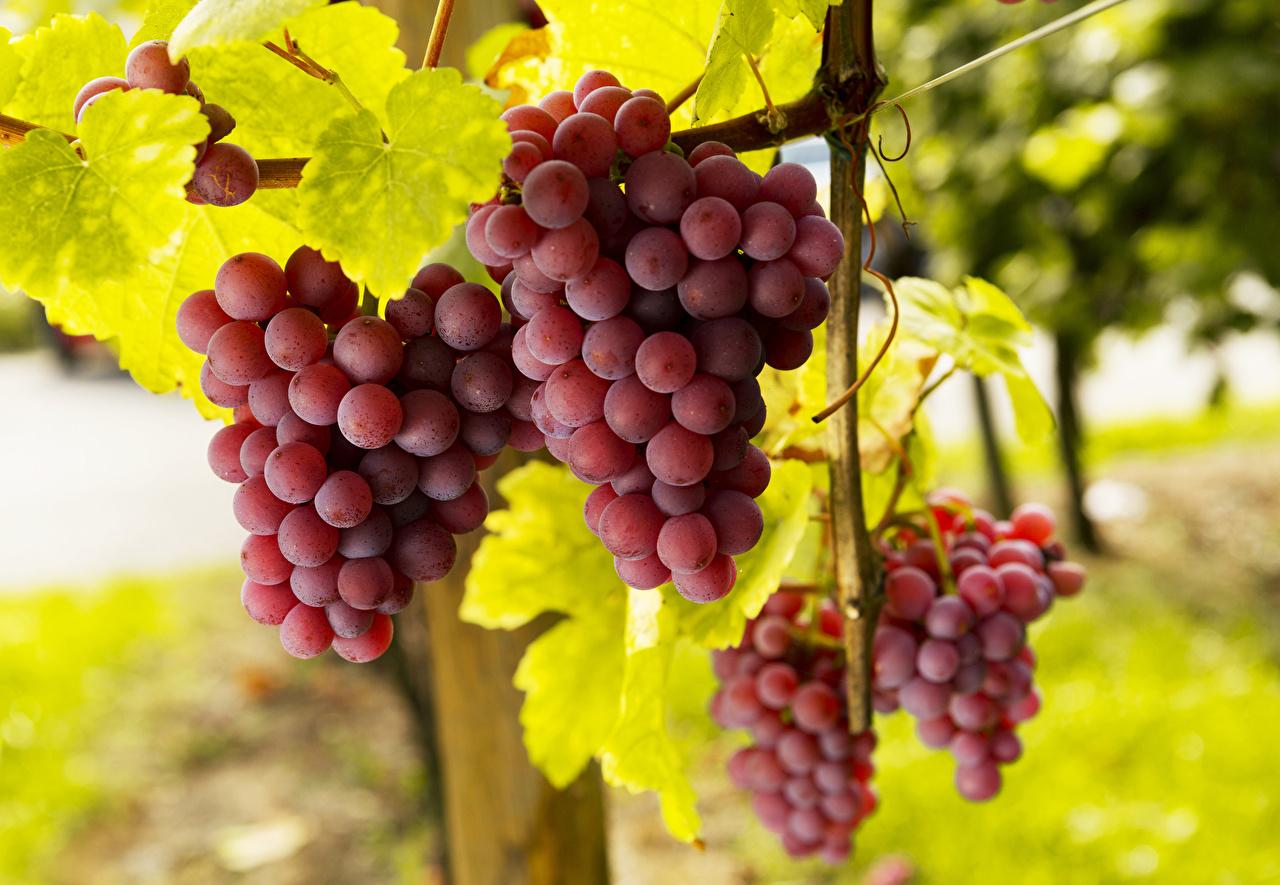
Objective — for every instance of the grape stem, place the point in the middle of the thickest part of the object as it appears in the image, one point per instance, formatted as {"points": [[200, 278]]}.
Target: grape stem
{"points": [[776, 120], [684, 95], [294, 55], [439, 27]]}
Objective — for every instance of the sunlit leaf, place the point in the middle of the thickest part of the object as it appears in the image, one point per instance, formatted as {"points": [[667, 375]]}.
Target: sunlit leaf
{"points": [[57, 60], [222, 22], [379, 207]]}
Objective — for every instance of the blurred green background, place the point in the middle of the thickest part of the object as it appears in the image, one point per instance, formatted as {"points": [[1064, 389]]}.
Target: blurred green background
{"points": [[1121, 181]]}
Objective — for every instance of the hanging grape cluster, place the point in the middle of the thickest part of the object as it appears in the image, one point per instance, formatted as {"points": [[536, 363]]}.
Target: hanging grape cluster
{"points": [[951, 645], [649, 290], [226, 175], [357, 440], [809, 778]]}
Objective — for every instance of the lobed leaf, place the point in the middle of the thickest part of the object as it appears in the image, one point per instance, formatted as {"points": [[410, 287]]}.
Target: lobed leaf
{"points": [[743, 30], [378, 207]]}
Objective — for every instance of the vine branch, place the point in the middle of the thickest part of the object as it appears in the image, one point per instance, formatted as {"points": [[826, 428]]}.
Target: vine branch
{"points": [[439, 27]]}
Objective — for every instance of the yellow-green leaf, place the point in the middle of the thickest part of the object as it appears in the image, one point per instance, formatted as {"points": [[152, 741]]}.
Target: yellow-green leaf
{"points": [[380, 207], [220, 22], [161, 17], [10, 68], [743, 30], [358, 42], [641, 753], [100, 218], [538, 555], [57, 60], [1031, 414], [785, 505], [814, 10], [572, 679]]}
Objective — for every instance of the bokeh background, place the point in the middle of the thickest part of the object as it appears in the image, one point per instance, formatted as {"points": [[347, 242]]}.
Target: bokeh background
{"points": [[1121, 181]]}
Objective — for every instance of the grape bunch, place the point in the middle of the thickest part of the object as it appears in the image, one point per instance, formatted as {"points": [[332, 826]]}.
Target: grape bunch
{"points": [[784, 683], [649, 291], [356, 441], [226, 174], [959, 661]]}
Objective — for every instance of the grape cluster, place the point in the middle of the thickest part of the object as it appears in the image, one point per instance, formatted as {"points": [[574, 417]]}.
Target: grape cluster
{"points": [[226, 174], [959, 662], [784, 682], [649, 291], [357, 440]]}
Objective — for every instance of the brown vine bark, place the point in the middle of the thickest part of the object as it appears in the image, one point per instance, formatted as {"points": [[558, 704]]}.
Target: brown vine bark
{"points": [[849, 65]]}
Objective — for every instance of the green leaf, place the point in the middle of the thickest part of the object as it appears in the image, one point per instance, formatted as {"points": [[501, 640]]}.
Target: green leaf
{"points": [[161, 17], [356, 41], [785, 504], [380, 207], [744, 29], [57, 60], [100, 218], [489, 46], [220, 22], [814, 10], [888, 401], [10, 68], [538, 555], [572, 679], [641, 753], [1031, 414]]}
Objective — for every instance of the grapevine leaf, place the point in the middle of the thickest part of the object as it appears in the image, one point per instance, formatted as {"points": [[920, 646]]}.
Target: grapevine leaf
{"points": [[10, 68], [489, 47], [1031, 414], [785, 504], [220, 22], [97, 219], [379, 207], [356, 41], [538, 556], [567, 714], [641, 753], [744, 29], [57, 60], [887, 402], [161, 17]]}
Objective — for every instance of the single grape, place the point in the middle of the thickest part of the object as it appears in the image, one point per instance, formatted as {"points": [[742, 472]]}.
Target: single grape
{"points": [[605, 101], [587, 141], [224, 452], [705, 405], [467, 316], [424, 551], [629, 526], [555, 194], [712, 583], [728, 348], [679, 500], [602, 292], [656, 258], [597, 454], [665, 362], [370, 645], [924, 699], [316, 393], [575, 396], [317, 586], [269, 398], [687, 544], [262, 561], [462, 514], [893, 657], [787, 349], [737, 520], [659, 186], [399, 598], [250, 286], [364, 583], [643, 126], [428, 362], [709, 149], [590, 82], [679, 456], [909, 592], [295, 472], [634, 412], [751, 477], [305, 539], [813, 308], [258, 511], [221, 123], [238, 354], [567, 252], [198, 318], [768, 231], [606, 207], [554, 336], [226, 175], [600, 497], [775, 288], [558, 104], [818, 248], [370, 416], [655, 311], [390, 472], [344, 500], [815, 707], [320, 285], [485, 434], [533, 119], [609, 347], [296, 338], [267, 604], [255, 450], [642, 574], [413, 314], [791, 186], [978, 783], [305, 632], [711, 228], [729, 179], [149, 67], [430, 423], [368, 351], [481, 382], [95, 87], [348, 622]]}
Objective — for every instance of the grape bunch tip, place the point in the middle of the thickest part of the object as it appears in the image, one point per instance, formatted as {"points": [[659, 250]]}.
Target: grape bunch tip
{"points": [[647, 292]]}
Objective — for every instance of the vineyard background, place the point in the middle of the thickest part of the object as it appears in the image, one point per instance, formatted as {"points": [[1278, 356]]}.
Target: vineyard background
{"points": [[148, 734]]}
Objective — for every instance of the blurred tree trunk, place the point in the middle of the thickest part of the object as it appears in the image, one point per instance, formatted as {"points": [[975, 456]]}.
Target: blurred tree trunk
{"points": [[503, 823], [1068, 353], [999, 490]]}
